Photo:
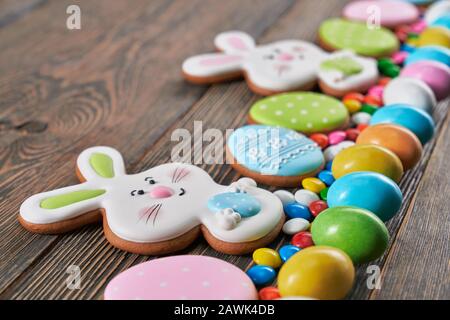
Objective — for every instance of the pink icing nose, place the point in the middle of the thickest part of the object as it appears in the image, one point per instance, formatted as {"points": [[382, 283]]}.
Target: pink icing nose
{"points": [[161, 192], [285, 57]]}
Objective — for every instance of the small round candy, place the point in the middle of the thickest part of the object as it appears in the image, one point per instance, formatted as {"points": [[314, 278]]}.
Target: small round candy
{"points": [[295, 225], [302, 240], [398, 139], [318, 272], [313, 184], [399, 57], [373, 100], [336, 137], [362, 126], [416, 120], [434, 53], [269, 293], [356, 231], [320, 138], [305, 197], [328, 165], [435, 74], [361, 118], [285, 196], [354, 96], [352, 105], [436, 36], [409, 91], [326, 177], [297, 210], [267, 257], [368, 190], [261, 275], [376, 91], [367, 158], [318, 206], [370, 109], [288, 251], [352, 134], [324, 194]]}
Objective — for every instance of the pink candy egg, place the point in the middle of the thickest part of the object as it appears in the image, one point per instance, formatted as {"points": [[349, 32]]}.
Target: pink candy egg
{"points": [[399, 57], [435, 74], [336, 137], [376, 91]]}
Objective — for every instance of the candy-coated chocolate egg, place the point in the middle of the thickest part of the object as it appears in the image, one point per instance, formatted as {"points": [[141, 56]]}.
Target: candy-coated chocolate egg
{"points": [[269, 293], [287, 251], [267, 257], [324, 194], [305, 197], [336, 137], [356, 231], [313, 184], [318, 272], [320, 138], [417, 121], [368, 190], [295, 225], [297, 210], [367, 157], [302, 239], [261, 275], [435, 36], [318, 206], [434, 53], [398, 139], [285, 196], [326, 177]]}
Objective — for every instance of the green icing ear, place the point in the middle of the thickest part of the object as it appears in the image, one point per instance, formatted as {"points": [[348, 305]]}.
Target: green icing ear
{"points": [[70, 198], [346, 65], [102, 165]]}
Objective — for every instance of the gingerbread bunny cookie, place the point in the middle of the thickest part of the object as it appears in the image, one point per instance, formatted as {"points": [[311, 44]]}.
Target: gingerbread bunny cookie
{"points": [[157, 211], [281, 66]]}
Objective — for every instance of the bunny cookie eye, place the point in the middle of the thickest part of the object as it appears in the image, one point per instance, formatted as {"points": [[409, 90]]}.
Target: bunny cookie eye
{"points": [[269, 57], [150, 180], [137, 192]]}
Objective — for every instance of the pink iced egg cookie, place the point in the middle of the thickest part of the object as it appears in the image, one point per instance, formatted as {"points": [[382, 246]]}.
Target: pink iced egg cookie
{"points": [[435, 74], [392, 13], [182, 278]]}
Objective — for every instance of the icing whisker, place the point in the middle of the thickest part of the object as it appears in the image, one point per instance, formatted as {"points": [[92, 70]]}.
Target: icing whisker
{"points": [[153, 210], [145, 211], [156, 214], [183, 175], [174, 174]]}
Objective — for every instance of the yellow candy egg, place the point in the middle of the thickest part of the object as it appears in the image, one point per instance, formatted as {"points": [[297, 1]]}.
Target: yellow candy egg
{"points": [[435, 36], [365, 157], [313, 184], [267, 257], [318, 272]]}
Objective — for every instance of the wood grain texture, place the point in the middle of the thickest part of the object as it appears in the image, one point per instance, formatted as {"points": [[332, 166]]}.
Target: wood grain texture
{"points": [[117, 82]]}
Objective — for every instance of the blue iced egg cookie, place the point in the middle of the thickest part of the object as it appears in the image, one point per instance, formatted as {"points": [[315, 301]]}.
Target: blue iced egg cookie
{"points": [[443, 21], [243, 203], [434, 53], [417, 121], [368, 190], [274, 156]]}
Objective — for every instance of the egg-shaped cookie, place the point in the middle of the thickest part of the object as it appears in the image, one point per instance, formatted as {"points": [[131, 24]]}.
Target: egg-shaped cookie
{"points": [[274, 156], [367, 157], [398, 139]]}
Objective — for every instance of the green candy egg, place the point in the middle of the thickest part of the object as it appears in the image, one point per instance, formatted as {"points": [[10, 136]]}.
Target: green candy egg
{"points": [[357, 232]]}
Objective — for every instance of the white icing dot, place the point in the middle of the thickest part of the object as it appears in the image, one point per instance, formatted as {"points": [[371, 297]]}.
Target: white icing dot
{"points": [[206, 284], [140, 274], [225, 270], [273, 99], [309, 125], [185, 269], [304, 111], [294, 120], [163, 284], [115, 289], [279, 113], [322, 98], [245, 284], [250, 208], [218, 204], [315, 104], [290, 105], [299, 97], [235, 206], [263, 107], [332, 111], [325, 120]]}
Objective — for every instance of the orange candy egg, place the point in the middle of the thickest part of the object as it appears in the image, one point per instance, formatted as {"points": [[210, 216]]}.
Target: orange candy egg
{"points": [[398, 139]]}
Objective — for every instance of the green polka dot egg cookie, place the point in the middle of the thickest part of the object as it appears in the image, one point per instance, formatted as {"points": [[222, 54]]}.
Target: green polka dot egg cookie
{"points": [[306, 112], [336, 34]]}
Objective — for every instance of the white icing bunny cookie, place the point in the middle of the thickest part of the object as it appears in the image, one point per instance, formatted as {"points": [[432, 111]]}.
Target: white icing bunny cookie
{"points": [[281, 66], [158, 211]]}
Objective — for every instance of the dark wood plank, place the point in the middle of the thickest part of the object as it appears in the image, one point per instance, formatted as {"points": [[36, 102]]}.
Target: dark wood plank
{"points": [[223, 106], [110, 83], [417, 265]]}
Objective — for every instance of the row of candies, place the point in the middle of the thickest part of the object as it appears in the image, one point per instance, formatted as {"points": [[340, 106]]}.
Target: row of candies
{"points": [[341, 221]]}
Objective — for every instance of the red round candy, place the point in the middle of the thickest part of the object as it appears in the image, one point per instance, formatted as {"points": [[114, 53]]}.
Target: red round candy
{"points": [[302, 240], [269, 293], [317, 207], [352, 134], [320, 138], [360, 127], [373, 100], [354, 96]]}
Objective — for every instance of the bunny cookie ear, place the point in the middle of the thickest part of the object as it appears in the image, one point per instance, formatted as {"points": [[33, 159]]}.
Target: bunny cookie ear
{"points": [[100, 162], [234, 42], [51, 212], [214, 67]]}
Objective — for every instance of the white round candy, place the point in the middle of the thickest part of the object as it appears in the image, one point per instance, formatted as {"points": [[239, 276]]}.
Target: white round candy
{"points": [[295, 225], [285, 196], [248, 181], [409, 91], [331, 152], [361, 118], [305, 197]]}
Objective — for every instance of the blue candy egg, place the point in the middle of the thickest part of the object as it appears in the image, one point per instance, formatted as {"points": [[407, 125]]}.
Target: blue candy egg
{"points": [[436, 53], [328, 165], [297, 210], [261, 275], [326, 177], [288, 251], [243, 203], [416, 120], [443, 21], [368, 190]]}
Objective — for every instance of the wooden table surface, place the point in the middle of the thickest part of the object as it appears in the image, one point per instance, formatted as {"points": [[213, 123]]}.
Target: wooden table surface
{"points": [[117, 82]]}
